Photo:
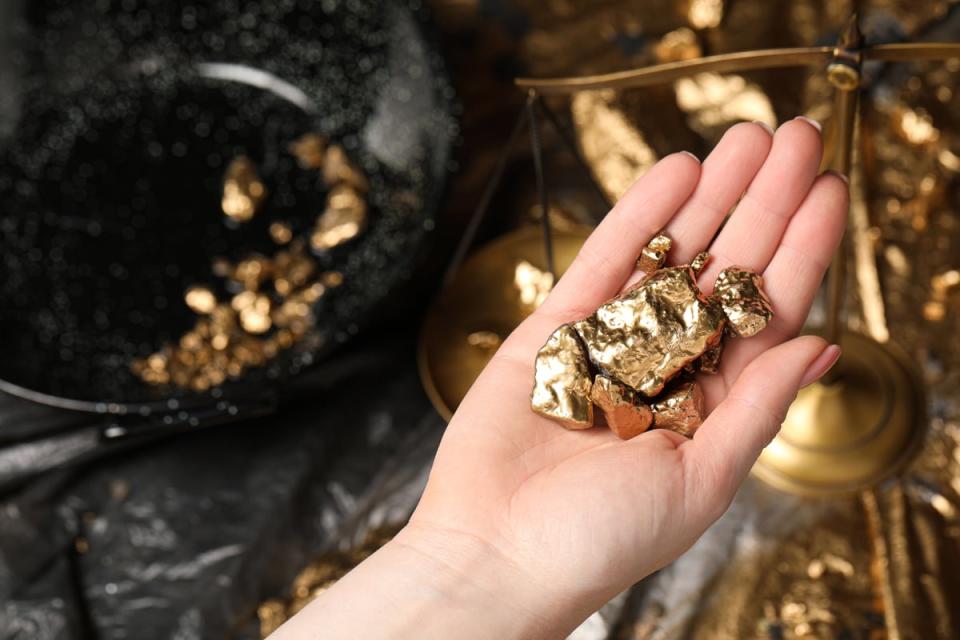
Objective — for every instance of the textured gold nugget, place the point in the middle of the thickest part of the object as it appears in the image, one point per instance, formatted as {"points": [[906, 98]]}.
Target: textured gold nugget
{"points": [[563, 380], [634, 357], [620, 408], [679, 408]]}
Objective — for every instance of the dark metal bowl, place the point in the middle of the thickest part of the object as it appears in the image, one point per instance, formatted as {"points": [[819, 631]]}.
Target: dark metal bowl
{"points": [[117, 120]]}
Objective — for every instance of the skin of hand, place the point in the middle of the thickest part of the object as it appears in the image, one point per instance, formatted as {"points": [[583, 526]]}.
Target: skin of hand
{"points": [[525, 528]]}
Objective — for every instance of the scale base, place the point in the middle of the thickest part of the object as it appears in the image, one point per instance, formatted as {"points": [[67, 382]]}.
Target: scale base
{"points": [[853, 433]]}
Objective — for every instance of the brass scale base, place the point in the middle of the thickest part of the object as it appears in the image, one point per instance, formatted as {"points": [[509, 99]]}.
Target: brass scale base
{"points": [[852, 433]]}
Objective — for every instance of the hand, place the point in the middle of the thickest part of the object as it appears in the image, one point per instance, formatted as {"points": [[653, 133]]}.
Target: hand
{"points": [[547, 524]]}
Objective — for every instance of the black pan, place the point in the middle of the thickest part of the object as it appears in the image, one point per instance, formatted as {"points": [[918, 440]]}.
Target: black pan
{"points": [[117, 120]]}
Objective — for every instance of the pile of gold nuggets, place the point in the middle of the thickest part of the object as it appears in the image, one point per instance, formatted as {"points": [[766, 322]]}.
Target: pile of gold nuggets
{"points": [[269, 305], [631, 364]]}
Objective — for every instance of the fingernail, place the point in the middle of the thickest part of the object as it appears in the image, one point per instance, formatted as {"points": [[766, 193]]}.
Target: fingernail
{"points": [[692, 156], [813, 123], [842, 176], [821, 365], [763, 124]]}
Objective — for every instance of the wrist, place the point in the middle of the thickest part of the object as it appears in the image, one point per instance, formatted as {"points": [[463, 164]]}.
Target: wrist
{"points": [[431, 582], [488, 591]]}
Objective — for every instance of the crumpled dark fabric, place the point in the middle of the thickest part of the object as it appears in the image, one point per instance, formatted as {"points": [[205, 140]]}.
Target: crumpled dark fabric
{"points": [[182, 539]]}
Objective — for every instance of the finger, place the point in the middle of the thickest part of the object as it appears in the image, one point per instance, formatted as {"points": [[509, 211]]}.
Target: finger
{"points": [[728, 443], [608, 256], [793, 276], [726, 173], [752, 234]]}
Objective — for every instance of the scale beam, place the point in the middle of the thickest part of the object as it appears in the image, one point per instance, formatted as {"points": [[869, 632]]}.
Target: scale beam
{"points": [[736, 62]]}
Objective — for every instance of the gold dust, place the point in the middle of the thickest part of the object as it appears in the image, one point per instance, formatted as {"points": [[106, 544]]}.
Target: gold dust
{"points": [[949, 160], [243, 191], [337, 169], [318, 576], [254, 326], [222, 267], [243, 300], [533, 284], [255, 316], [713, 101], [331, 279], [941, 287], [280, 232], [309, 150], [272, 307], [677, 45], [916, 127], [705, 14], [486, 340], [315, 291], [344, 218], [816, 568], [251, 272], [946, 280], [271, 614], [200, 299], [897, 260]]}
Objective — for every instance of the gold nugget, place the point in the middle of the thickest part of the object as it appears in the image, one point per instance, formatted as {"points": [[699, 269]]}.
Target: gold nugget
{"points": [[337, 169], [343, 220], [272, 306], [563, 384], [621, 409], [309, 150], [200, 299], [744, 302], [243, 191], [679, 409], [654, 255], [633, 357], [647, 336]]}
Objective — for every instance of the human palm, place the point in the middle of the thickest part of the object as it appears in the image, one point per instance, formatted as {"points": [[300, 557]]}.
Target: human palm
{"points": [[582, 512]]}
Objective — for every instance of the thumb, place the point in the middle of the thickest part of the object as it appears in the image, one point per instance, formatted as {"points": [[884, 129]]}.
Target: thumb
{"points": [[730, 440]]}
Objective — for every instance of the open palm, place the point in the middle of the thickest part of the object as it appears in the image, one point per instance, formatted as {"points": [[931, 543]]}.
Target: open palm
{"points": [[583, 512]]}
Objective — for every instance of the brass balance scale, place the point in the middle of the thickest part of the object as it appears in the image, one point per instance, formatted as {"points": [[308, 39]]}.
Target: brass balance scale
{"points": [[844, 436], [847, 432]]}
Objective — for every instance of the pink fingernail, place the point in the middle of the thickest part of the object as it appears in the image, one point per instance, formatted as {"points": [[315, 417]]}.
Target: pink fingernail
{"points": [[813, 123], [765, 126], [842, 176], [819, 367], [692, 156]]}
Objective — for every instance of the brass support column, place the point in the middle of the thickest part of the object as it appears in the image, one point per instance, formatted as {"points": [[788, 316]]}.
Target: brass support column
{"points": [[859, 424], [844, 75]]}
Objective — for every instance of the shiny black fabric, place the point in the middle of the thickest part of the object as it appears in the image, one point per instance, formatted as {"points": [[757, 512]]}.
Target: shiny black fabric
{"points": [[185, 537]]}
